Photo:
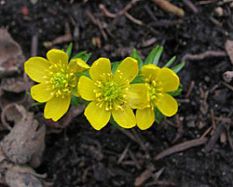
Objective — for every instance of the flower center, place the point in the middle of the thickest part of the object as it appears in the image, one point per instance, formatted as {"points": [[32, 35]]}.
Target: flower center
{"points": [[155, 91], [111, 93], [61, 80]]}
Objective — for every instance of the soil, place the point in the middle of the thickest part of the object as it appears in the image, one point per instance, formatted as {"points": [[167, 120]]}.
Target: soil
{"points": [[79, 156]]}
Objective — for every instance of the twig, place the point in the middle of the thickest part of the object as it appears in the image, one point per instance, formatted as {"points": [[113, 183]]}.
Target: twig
{"points": [[181, 147], [169, 7], [205, 2], [206, 132], [138, 166], [34, 45], [190, 89], [214, 138], [123, 154], [133, 19], [106, 12], [227, 85], [201, 56], [128, 7], [73, 112], [192, 7], [143, 177], [124, 11], [120, 13], [97, 23], [215, 21]]}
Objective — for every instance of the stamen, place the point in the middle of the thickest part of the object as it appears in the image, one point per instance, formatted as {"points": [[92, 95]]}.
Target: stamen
{"points": [[155, 91], [61, 80], [111, 94]]}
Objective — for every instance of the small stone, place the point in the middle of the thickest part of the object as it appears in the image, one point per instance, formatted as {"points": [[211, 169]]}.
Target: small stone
{"points": [[207, 79], [219, 11], [33, 1]]}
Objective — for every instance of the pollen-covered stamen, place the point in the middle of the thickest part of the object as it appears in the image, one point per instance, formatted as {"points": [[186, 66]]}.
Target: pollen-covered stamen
{"points": [[110, 93], [155, 91], [60, 80]]}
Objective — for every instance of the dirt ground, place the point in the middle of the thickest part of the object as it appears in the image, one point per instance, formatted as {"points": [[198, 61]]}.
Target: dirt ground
{"points": [[79, 156]]}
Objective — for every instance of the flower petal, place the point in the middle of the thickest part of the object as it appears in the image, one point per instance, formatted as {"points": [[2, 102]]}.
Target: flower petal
{"points": [[150, 71], [167, 105], [127, 69], [57, 56], [170, 81], [41, 92], [86, 88], [57, 107], [125, 118], [145, 118], [138, 96], [97, 116], [36, 67], [78, 65], [99, 67]]}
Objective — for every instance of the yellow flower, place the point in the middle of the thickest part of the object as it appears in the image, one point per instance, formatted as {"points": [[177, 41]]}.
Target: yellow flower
{"points": [[159, 81], [111, 94], [57, 80]]}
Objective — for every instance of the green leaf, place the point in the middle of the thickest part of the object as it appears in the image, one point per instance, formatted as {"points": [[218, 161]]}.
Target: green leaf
{"points": [[138, 79], [69, 49], [135, 54], [170, 62], [154, 56], [75, 101], [178, 67], [114, 66], [83, 73], [84, 55], [177, 92], [114, 123], [159, 117], [79, 54]]}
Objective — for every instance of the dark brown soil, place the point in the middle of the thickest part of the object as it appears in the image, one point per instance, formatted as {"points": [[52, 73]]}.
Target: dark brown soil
{"points": [[81, 156]]}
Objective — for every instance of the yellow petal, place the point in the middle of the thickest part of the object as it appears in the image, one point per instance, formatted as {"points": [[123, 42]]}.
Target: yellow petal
{"points": [[125, 118], [41, 92], [145, 118], [56, 107], [57, 56], [36, 67], [170, 81], [78, 65], [99, 67], [138, 96], [167, 105], [127, 69], [97, 116], [86, 88], [150, 72]]}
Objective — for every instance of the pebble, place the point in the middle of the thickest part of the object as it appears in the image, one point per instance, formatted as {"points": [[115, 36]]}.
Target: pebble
{"points": [[219, 11]]}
